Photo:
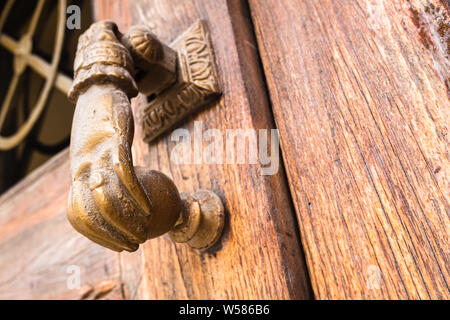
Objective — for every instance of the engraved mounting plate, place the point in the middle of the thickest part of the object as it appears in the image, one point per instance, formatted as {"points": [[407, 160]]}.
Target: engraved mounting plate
{"points": [[197, 84]]}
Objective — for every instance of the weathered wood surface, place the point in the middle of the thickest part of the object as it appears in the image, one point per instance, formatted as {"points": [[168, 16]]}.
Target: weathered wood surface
{"points": [[38, 247], [359, 95], [259, 255]]}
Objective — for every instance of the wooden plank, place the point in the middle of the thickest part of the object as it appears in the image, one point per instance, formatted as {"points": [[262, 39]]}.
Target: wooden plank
{"points": [[259, 255], [39, 248], [359, 95]]}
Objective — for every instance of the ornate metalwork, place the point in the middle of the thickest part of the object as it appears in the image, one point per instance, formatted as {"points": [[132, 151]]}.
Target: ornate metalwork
{"points": [[197, 84], [112, 202], [23, 57], [155, 61]]}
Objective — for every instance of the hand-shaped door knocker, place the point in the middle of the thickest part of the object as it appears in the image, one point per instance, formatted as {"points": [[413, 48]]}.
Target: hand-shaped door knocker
{"points": [[112, 202]]}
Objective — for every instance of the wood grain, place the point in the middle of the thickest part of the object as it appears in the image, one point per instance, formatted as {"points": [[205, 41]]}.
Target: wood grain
{"points": [[360, 95], [259, 256], [38, 246]]}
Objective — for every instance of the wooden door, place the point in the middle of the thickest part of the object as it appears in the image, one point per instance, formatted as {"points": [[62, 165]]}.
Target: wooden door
{"points": [[259, 255], [359, 93]]}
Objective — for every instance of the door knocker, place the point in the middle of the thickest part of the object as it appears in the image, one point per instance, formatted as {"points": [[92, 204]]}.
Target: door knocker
{"points": [[111, 202]]}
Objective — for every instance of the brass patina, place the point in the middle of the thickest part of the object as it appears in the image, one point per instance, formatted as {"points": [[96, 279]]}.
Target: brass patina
{"points": [[111, 202], [197, 84]]}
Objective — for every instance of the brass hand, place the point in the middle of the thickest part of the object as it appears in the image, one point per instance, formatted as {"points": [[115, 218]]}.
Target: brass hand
{"points": [[112, 202]]}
